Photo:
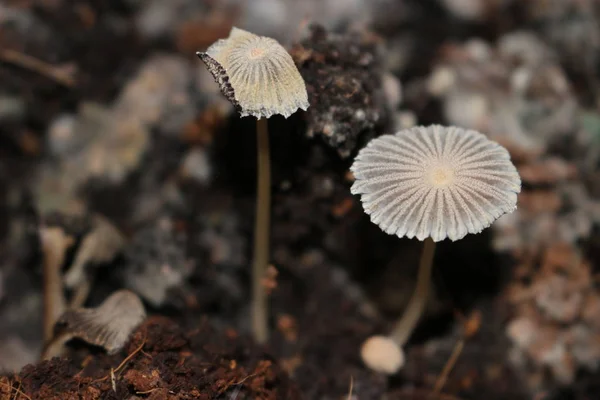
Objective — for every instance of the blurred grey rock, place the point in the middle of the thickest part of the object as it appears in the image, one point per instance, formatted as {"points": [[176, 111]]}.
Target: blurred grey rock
{"points": [[514, 91], [570, 27], [524, 47], [354, 104], [285, 20], [393, 91], [159, 93], [466, 9], [11, 108], [109, 142], [157, 18], [156, 262], [196, 166], [222, 237]]}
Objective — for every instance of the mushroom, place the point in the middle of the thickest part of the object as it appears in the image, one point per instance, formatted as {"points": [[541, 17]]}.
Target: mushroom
{"points": [[431, 183], [258, 76], [109, 325], [99, 246]]}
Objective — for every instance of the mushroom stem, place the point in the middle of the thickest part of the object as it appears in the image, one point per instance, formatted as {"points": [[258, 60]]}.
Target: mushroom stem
{"points": [[54, 244], [414, 310], [55, 347], [81, 294], [261, 234]]}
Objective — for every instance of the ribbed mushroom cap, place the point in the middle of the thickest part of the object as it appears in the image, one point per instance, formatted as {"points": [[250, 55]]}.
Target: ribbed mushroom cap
{"points": [[435, 182], [256, 74], [108, 325]]}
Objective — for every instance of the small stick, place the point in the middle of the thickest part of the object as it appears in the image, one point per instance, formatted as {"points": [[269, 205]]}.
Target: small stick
{"points": [[470, 328], [148, 391], [351, 388], [16, 389], [237, 384], [246, 378], [129, 357], [113, 380], [441, 380], [18, 392], [61, 75]]}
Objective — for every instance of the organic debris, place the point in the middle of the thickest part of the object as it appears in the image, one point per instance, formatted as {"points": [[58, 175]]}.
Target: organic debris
{"points": [[345, 87], [162, 360]]}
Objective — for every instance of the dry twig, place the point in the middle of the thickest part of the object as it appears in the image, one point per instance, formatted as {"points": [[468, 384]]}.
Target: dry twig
{"points": [[17, 390], [470, 328], [441, 381], [62, 74], [129, 357], [351, 388]]}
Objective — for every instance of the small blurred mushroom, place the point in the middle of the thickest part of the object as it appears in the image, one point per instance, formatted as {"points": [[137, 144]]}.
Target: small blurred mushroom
{"points": [[258, 76], [55, 243], [382, 354], [109, 325], [99, 246], [433, 183]]}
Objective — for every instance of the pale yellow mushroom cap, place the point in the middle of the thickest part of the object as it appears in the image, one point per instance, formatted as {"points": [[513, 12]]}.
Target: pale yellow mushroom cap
{"points": [[382, 354], [438, 182], [256, 74]]}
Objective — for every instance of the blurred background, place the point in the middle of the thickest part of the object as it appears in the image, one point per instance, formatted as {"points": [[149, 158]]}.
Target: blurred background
{"points": [[105, 110]]}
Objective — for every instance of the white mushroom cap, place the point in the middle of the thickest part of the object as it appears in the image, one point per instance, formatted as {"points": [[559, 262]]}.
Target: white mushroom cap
{"points": [[382, 354], [435, 182], [109, 325], [256, 74]]}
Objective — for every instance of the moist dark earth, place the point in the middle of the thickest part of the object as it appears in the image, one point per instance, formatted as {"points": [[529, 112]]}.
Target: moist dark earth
{"points": [[180, 187]]}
